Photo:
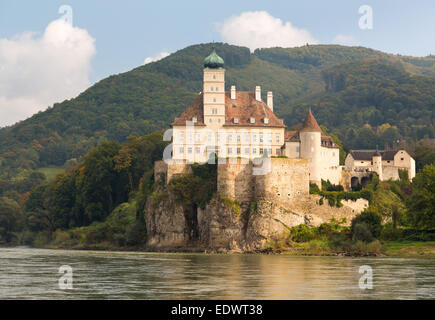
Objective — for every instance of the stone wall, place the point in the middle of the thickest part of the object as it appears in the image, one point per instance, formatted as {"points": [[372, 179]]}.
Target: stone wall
{"points": [[285, 181], [235, 180], [168, 171]]}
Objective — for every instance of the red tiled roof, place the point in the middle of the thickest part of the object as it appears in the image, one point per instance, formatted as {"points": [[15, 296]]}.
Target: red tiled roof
{"points": [[291, 136], [310, 123], [244, 107]]}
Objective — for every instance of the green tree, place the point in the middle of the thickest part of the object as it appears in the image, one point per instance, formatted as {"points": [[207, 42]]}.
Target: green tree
{"points": [[11, 219], [421, 202]]}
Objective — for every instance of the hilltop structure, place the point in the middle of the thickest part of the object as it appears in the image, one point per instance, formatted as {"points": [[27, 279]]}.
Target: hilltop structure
{"points": [[239, 127], [239, 124]]}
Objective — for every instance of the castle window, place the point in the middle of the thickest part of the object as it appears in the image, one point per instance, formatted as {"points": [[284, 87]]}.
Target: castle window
{"points": [[218, 137], [190, 137], [236, 120], [269, 138], [214, 99], [181, 150], [246, 150], [333, 154], [277, 138], [209, 120], [254, 138], [217, 89], [261, 138], [297, 148], [194, 120], [261, 150], [266, 120], [198, 150], [189, 150], [230, 138], [198, 137], [230, 150], [270, 151], [238, 151], [254, 150], [214, 111], [209, 137], [214, 76], [219, 120], [247, 137], [252, 120], [181, 137], [211, 89], [278, 152], [238, 138], [312, 137], [401, 159]]}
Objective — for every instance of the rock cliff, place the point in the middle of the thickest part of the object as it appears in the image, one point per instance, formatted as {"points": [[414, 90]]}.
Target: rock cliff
{"points": [[227, 225]]}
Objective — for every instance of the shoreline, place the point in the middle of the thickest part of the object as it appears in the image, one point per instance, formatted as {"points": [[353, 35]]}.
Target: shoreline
{"points": [[393, 249]]}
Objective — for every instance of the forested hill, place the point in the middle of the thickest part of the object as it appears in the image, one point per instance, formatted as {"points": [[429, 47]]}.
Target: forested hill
{"points": [[347, 87]]}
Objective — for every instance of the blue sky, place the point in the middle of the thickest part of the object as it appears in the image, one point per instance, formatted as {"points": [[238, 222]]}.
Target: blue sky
{"points": [[126, 32]]}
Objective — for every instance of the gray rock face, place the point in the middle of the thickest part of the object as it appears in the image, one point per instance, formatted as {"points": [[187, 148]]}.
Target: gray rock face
{"points": [[223, 225]]}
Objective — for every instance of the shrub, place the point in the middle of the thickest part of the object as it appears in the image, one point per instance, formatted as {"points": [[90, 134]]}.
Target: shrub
{"points": [[390, 233], [361, 232], [372, 219]]}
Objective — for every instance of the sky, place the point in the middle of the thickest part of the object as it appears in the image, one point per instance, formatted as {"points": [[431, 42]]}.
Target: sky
{"points": [[53, 50]]}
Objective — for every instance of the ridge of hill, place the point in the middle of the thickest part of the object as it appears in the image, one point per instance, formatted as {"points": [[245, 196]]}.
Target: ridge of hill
{"points": [[346, 86]]}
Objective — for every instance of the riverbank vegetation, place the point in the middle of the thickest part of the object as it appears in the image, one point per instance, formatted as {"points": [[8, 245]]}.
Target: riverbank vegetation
{"points": [[400, 220], [99, 203]]}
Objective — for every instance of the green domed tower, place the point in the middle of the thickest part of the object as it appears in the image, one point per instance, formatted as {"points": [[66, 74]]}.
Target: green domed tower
{"points": [[214, 91], [213, 61]]}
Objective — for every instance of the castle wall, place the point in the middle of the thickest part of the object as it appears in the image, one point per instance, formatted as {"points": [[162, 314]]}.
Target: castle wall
{"points": [[286, 181], [168, 171], [333, 174], [310, 149], [235, 180]]}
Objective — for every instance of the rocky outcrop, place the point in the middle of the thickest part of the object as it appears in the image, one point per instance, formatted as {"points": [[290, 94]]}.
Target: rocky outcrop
{"points": [[227, 225]]}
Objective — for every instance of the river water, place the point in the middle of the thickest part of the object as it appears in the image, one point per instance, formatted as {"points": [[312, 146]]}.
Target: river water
{"points": [[34, 274]]}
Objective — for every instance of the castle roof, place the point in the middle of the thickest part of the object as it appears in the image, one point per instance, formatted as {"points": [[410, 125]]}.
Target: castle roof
{"points": [[293, 136], [310, 123], [213, 61], [244, 107], [368, 154]]}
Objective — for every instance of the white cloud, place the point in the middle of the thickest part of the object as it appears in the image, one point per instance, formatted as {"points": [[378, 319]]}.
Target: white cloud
{"points": [[36, 72], [157, 57], [345, 40], [258, 29]]}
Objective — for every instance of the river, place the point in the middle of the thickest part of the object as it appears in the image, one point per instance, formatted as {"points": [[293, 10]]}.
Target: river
{"points": [[34, 274]]}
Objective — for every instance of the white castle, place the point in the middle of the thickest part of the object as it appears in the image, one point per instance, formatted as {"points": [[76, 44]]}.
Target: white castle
{"points": [[239, 124]]}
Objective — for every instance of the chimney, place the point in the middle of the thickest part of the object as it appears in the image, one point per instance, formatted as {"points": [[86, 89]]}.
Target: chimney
{"points": [[258, 93], [270, 100], [233, 92]]}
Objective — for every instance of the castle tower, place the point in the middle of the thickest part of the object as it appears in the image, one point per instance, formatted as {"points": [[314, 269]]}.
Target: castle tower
{"points": [[214, 91], [310, 136], [377, 163]]}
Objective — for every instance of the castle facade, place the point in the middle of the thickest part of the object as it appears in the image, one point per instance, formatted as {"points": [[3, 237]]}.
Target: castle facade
{"points": [[239, 128]]}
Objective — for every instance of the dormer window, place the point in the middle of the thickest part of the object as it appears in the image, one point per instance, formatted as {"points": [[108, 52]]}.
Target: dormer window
{"points": [[252, 120], [194, 120], [266, 120], [236, 120]]}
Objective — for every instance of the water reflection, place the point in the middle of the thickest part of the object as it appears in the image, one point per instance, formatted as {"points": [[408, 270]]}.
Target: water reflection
{"points": [[33, 274]]}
